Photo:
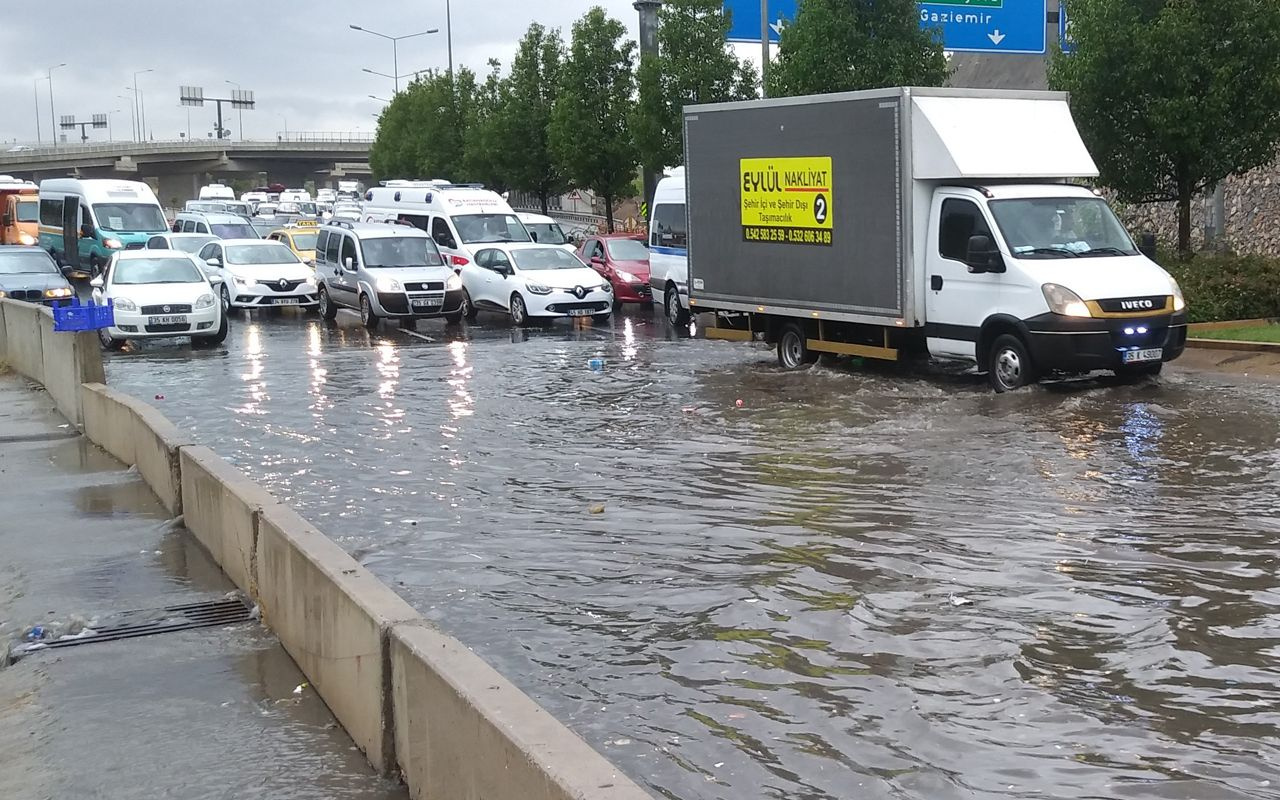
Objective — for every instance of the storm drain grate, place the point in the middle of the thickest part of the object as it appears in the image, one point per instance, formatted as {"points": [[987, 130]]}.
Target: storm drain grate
{"points": [[149, 622]]}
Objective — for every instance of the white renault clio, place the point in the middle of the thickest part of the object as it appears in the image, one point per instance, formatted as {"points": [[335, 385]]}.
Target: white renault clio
{"points": [[532, 282], [258, 273], [159, 293]]}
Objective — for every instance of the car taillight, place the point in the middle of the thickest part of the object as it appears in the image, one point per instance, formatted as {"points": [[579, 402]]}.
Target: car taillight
{"points": [[459, 261]]}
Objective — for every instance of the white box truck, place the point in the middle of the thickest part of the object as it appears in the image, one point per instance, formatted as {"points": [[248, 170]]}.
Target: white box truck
{"points": [[948, 222]]}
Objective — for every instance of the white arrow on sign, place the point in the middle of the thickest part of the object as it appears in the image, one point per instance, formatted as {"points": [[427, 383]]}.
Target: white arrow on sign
{"points": [[778, 26], [997, 37]]}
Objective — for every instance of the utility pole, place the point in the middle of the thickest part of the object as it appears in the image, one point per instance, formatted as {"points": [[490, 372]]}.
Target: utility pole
{"points": [[53, 125], [140, 123], [35, 87], [764, 48], [648, 49], [448, 28]]}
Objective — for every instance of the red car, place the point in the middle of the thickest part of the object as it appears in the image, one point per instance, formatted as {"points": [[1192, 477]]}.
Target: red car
{"points": [[623, 259]]}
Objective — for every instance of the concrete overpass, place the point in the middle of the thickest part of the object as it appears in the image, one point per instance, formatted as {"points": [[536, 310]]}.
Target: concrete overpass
{"points": [[179, 168]]}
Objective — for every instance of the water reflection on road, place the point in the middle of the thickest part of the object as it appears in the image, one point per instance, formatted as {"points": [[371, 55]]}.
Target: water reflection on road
{"points": [[862, 583]]}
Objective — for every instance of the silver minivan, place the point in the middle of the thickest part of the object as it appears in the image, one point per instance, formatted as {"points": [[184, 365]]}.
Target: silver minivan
{"points": [[214, 223], [384, 271]]}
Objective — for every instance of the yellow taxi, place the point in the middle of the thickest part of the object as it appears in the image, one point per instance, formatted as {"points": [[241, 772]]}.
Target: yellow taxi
{"points": [[300, 237]]}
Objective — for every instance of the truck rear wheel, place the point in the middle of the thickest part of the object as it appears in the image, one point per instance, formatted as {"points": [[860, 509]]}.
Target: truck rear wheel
{"points": [[793, 347], [1009, 366]]}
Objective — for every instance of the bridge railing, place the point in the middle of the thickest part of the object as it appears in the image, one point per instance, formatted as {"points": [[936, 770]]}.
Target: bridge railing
{"points": [[318, 140], [324, 136]]}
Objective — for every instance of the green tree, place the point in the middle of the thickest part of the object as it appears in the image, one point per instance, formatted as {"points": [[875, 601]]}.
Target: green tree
{"points": [[589, 132], [483, 155], [522, 142], [845, 45], [694, 65], [421, 133], [1172, 96]]}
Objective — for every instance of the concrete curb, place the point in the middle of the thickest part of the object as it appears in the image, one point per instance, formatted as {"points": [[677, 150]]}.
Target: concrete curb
{"points": [[1233, 344]]}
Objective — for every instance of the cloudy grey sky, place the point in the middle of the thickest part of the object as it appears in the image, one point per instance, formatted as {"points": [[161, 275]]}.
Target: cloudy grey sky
{"points": [[300, 58]]}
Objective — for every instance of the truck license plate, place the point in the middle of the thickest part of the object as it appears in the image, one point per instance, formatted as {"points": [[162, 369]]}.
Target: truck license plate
{"points": [[580, 312], [1138, 356], [175, 320]]}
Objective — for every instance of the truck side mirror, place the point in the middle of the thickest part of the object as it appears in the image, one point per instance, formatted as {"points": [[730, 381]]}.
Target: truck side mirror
{"points": [[983, 256], [1147, 245], [6, 220]]}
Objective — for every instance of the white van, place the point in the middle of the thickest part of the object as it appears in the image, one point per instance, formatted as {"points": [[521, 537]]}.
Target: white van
{"points": [[461, 219], [295, 196], [546, 230], [669, 248], [217, 191]]}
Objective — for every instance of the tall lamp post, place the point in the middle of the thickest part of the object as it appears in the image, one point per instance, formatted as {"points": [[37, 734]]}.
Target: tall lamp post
{"points": [[35, 89], [395, 55], [140, 125], [52, 125]]}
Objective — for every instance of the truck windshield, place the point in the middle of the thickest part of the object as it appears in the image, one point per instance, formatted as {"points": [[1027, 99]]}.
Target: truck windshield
{"points": [[131, 217], [29, 211], [401, 251], [1061, 227], [476, 228]]}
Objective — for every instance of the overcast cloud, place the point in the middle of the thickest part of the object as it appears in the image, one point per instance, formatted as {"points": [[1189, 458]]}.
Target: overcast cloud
{"points": [[300, 58]]}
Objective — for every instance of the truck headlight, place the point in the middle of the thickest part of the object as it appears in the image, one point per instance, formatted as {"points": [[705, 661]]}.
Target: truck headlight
{"points": [[538, 288], [124, 304], [1179, 302], [112, 244], [1063, 301], [454, 283], [26, 238], [388, 285], [205, 301]]}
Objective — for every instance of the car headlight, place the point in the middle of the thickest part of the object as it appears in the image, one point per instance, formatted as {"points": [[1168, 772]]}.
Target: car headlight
{"points": [[112, 244], [388, 285], [538, 288], [454, 283], [124, 304], [1063, 301], [205, 301], [63, 292], [26, 238], [3, 294], [625, 276], [608, 287], [1179, 302]]}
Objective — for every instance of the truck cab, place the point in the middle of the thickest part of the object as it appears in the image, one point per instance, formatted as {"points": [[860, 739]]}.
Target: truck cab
{"points": [[19, 212]]}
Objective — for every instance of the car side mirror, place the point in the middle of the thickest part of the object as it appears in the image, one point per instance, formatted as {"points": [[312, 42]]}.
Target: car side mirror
{"points": [[97, 283], [349, 263], [67, 271], [213, 262], [503, 270], [983, 256], [597, 260]]}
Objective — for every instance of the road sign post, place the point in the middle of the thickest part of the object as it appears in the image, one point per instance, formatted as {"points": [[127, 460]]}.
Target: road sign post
{"points": [[975, 26], [69, 123], [240, 99]]}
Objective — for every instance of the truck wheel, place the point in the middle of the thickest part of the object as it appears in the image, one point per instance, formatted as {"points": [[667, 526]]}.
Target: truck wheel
{"points": [[677, 315], [793, 347], [1009, 366]]}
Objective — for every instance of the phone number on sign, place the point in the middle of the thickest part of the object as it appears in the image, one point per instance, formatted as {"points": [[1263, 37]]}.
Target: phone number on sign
{"points": [[755, 233]]}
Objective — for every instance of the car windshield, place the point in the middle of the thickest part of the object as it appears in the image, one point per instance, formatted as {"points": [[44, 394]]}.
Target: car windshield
{"points": [[29, 211], [477, 228], [155, 270], [132, 217], [1061, 227], [547, 232], [304, 241], [546, 258], [233, 230], [26, 262], [401, 251], [254, 254], [190, 244], [627, 250]]}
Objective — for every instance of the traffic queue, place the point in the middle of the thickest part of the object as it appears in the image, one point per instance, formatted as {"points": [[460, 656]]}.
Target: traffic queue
{"points": [[406, 251]]}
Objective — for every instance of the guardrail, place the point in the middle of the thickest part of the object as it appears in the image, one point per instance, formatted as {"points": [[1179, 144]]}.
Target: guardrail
{"points": [[179, 145]]}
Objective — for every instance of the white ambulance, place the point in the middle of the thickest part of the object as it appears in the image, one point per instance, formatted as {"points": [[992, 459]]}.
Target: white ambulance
{"points": [[461, 218]]}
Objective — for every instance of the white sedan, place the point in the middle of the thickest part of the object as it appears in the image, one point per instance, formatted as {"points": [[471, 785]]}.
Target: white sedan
{"points": [[532, 282], [259, 273], [159, 293]]}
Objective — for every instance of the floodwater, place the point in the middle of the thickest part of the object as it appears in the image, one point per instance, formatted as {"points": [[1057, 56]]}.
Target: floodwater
{"points": [[860, 583]]}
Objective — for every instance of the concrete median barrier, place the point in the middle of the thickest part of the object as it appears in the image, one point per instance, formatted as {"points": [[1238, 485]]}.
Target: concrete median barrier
{"points": [[221, 507], [332, 615], [23, 339], [138, 435], [462, 730], [58, 361], [109, 421]]}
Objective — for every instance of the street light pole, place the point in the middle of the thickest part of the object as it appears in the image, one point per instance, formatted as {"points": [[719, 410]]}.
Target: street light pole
{"points": [[52, 124], [764, 48], [395, 52], [448, 25], [140, 126], [133, 122], [35, 88]]}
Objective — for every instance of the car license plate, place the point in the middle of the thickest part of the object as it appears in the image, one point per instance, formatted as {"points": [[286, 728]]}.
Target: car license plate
{"points": [[176, 320], [425, 302], [580, 312], [1138, 356], [286, 301]]}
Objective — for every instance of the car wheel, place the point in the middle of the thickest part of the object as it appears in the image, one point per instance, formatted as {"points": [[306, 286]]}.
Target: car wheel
{"points": [[1009, 366], [327, 309], [677, 315], [107, 342], [793, 347], [367, 316], [519, 313], [469, 309], [216, 339], [226, 300]]}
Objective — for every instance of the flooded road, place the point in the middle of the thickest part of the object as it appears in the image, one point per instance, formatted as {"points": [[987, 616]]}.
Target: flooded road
{"points": [[862, 583]]}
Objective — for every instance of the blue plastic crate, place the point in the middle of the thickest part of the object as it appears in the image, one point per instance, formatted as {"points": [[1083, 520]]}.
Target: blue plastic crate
{"points": [[77, 317]]}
